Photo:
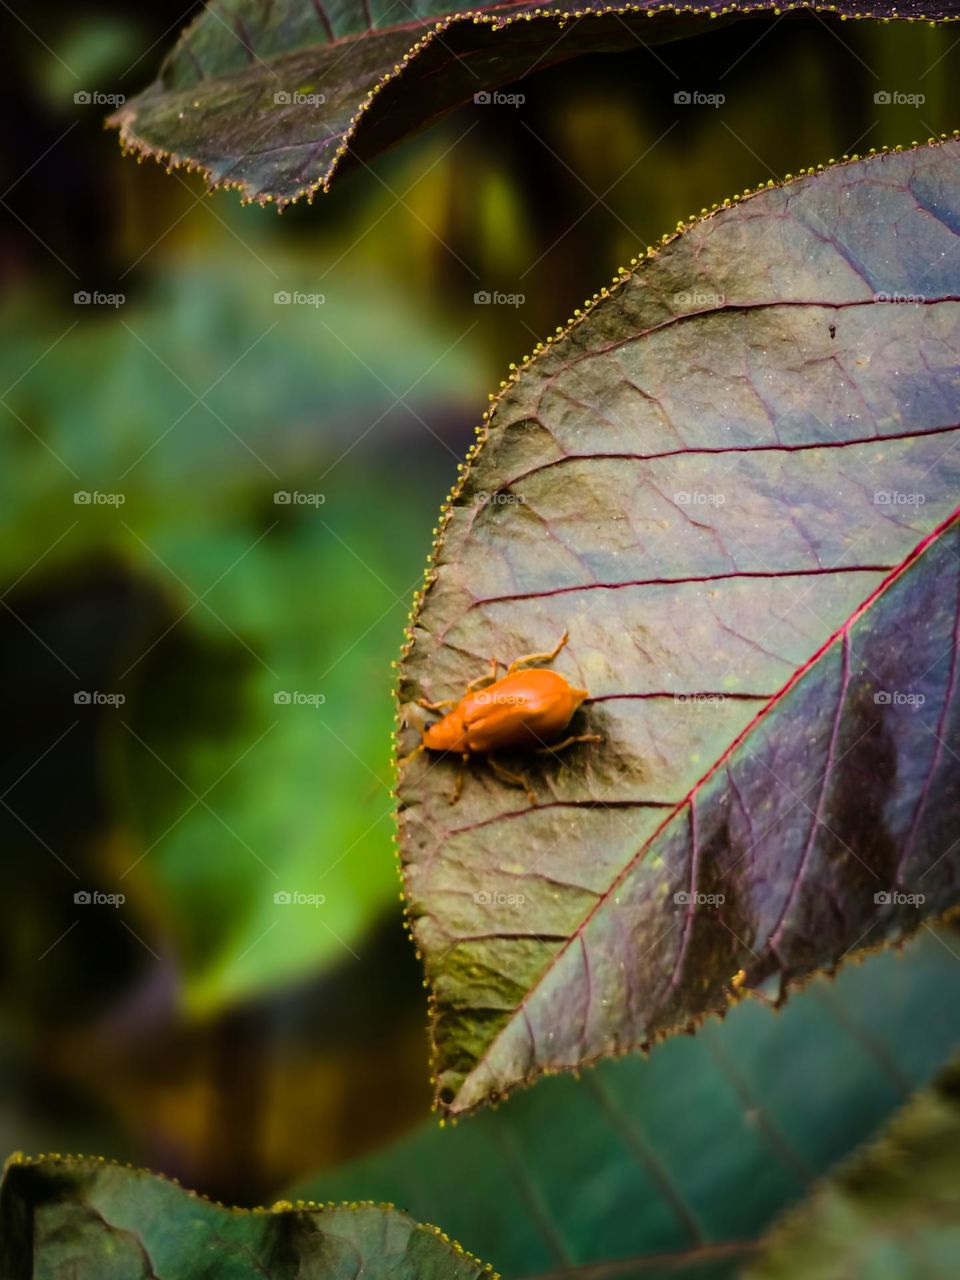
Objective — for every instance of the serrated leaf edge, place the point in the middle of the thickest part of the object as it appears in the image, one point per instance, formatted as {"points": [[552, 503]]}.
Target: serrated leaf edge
{"points": [[132, 144], [280, 1207]]}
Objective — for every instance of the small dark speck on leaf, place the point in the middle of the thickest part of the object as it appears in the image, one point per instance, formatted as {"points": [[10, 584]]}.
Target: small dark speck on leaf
{"points": [[833, 331]]}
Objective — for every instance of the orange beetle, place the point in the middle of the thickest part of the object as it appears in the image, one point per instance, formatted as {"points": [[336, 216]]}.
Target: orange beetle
{"points": [[525, 709]]}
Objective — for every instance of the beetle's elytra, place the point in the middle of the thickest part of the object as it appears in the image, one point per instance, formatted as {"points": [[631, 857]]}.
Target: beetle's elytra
{"points": [[525, 709]]}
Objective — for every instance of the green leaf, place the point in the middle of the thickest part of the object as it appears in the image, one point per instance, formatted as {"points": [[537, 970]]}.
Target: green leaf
{"points": [[733, 482], [893, 1211], [295, 599], [687, 1156], [64, 1217], [272, 98]]}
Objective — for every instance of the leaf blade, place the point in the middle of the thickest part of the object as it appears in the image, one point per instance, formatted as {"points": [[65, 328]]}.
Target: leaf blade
{"points": [[673, 605], [215, 107], [698, 1147], [893, 1209], [89, 1215]]}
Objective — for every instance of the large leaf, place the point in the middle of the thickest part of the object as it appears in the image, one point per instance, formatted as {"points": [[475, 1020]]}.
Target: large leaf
{"points": [[272, 98], [733, 482], [64, 1218], [691, 1153], [892, 1211]]}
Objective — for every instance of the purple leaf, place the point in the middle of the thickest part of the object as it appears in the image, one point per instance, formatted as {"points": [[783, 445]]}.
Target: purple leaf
{"points": [[734, 481]]}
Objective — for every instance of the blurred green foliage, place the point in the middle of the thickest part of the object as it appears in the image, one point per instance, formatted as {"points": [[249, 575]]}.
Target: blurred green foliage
{"points": [[250, 756]]}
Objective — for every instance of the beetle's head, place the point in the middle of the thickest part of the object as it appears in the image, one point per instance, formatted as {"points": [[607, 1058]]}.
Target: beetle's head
{"points": [[448, 734]]}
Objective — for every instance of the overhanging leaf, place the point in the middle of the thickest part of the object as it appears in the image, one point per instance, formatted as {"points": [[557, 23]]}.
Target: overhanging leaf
{"points": [[893, 1211], [64, 1217], [734, 482], [272, 98], [688, 1156]]}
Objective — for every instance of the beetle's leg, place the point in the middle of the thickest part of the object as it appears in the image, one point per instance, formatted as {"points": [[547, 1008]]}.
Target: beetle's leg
{"points": [[488, 678], [529, 659], [515, 779], [409, 756], [436, 706], [568, 742], [458, 785]]}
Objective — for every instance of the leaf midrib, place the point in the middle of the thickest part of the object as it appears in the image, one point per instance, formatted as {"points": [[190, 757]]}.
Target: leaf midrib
{"points": [[840, 633]]}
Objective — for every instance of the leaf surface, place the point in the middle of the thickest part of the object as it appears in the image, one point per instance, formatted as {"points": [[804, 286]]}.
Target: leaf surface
{"points": [[734, 483], [894, 1210], [684, 1159], [272, 98], [67, 1217]]}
